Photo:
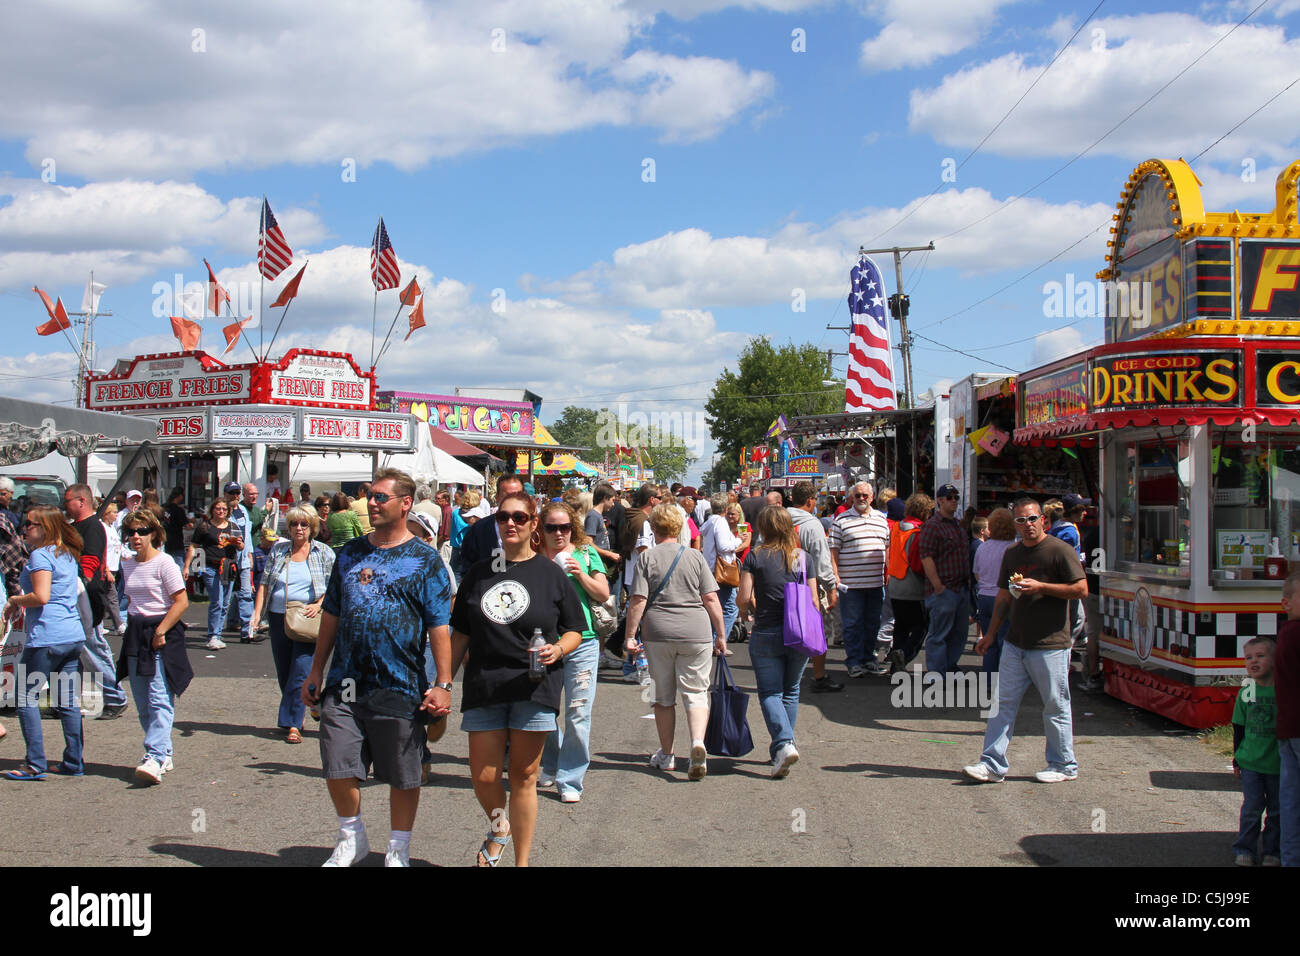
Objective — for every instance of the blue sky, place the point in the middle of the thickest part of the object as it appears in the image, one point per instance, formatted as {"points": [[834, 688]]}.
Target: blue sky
{"points": [[505, 142]]}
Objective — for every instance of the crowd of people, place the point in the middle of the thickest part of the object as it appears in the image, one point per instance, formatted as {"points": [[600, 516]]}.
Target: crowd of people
{"points": [[376, 605]]}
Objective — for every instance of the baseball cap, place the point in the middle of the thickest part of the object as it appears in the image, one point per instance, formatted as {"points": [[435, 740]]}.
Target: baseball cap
{"points": [[424, 521], [232, 487], [948, 491], [896, 509], [134, 493], [1071, 502], [689, 492]]}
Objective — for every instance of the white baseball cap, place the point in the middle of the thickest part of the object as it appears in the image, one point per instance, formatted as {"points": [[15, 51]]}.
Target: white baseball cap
{"points": [[133, 493], [424, 521]]}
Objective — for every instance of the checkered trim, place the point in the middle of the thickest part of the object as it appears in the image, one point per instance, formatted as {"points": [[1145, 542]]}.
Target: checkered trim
{"points": [[1209, 634]]}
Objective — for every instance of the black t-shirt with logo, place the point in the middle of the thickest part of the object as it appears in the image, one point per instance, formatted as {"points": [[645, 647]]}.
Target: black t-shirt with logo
{"points": [[1040, 622], [499, 610]]}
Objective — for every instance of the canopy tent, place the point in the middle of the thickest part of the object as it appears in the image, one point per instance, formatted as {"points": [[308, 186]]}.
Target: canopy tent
{"points": [[31, 430], [464, 451], [562, 463], [429, 463]]}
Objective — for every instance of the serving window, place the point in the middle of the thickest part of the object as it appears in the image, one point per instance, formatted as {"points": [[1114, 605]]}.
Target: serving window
{"points": [[1153, 478], [1255, 495]]}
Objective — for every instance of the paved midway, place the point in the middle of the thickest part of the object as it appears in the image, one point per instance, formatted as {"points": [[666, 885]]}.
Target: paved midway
{"points": [[876, 785]]}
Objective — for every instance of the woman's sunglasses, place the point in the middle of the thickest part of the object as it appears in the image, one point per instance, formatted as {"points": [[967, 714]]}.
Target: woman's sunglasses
{"points": [[518, 517], [565, 528], [132, 532]]}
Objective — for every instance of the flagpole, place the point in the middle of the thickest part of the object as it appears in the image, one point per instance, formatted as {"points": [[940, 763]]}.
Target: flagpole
{"points": [[383, 348], [284, 313], [231, 309], [261, 277], [374, 312]]}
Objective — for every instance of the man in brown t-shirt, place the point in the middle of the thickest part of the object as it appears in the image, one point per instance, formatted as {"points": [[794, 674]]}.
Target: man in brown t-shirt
{"points": [[1040, 576]]}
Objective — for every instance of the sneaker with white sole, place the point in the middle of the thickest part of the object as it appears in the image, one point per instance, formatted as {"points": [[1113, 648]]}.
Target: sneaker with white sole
{"points": [[662, 761], [1244, 859], [167, 765], [399, 854], [1055, 776], [699, 762], [981, 773], [858, 671], [149, 771], [350, 848], [215, 644], [785, 759], [545, 781], [570, 796]]}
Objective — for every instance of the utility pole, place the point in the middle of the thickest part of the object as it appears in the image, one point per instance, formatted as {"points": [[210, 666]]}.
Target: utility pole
{"points": [[86, 356], [898, 305]]}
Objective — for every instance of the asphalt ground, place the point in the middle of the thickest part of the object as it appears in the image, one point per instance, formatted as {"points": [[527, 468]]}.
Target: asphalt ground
{"points": [[877, 784]]}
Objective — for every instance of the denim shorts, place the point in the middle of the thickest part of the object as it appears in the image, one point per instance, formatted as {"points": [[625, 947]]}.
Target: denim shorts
{"points": [[515, 715]]}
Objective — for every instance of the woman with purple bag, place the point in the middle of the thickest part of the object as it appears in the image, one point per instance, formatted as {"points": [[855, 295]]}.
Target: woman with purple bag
{"points": [[766, 571]]}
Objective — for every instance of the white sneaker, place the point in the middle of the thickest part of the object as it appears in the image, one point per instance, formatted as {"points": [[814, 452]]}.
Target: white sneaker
{"points": [[981, 773], [121, 629], [350, 848], [1055, 776], [699, 766], [398, 855], [545, 781], [570, 796], [167, 765], [215, 644], [785, 759], [150, 771], [609, 662], [662, 761]]}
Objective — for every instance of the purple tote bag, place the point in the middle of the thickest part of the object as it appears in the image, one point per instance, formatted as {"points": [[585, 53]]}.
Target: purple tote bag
{"points": [[803, 619]]}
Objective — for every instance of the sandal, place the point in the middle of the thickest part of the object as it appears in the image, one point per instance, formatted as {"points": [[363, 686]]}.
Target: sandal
{"points": [[486, 859], [57, 768], [295, 736], [28, 772]]}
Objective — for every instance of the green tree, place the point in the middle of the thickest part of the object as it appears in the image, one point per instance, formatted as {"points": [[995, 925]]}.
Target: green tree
{"points": [[600, 430], [768, 382]]}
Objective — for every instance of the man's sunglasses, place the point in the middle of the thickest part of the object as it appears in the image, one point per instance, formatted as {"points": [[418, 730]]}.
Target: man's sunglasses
{"points": [[518, 517], [1027, 519], [862, 495], [382, 498], [566, 528]]}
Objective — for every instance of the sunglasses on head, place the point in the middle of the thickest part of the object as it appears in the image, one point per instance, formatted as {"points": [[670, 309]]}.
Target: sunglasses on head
{"points": [[566, 528], [518, 517]]}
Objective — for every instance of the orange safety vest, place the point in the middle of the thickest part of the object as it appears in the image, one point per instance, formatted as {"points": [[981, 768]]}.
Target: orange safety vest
{"points": [[898, 566]]}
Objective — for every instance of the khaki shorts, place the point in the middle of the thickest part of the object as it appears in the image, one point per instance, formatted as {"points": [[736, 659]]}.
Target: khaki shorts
{"points": [[680, 665]]}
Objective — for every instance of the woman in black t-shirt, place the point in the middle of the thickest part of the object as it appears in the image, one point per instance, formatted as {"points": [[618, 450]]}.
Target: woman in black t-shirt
{"points": [[220, 543], [497, 610]]}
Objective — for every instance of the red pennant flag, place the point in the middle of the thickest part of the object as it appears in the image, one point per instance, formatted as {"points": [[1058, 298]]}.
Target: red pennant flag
{"points": [[290, 291], [58, 316], [417, 315], [409, 294], [232, 333], [215, 292], [187, 332]]}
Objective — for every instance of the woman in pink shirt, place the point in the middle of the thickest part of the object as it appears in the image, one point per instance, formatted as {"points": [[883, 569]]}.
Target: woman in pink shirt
{"points": [[153, 650]]}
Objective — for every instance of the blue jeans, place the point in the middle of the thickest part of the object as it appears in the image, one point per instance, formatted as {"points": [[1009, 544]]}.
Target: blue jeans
{"points": [[885, 636], [156, 704], [1049, 672], [1289, 800], [727, 595], [777, 671], [1260, 792], [97, 652], [949, 625], [860, 612], [292, 665], [984, 611], [36, 666], [242, 609], [567, 752], [218, 599]]}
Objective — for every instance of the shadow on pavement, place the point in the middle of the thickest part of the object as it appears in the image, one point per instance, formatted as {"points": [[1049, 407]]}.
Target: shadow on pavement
{"points": [[188, 728], [1195, 780], [289, 856], [1191, 848], [277, 769], [884, 770]]}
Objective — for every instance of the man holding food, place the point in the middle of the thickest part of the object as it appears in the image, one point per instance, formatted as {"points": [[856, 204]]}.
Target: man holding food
{"points": [[1040, 576]]}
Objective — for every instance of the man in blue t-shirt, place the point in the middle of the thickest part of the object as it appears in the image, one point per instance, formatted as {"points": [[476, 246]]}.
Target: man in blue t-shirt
{"points": [[388, 594]]}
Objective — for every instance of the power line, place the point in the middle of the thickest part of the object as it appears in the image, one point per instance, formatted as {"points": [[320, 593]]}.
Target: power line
{"points": [[1267, 102], [977, 358], [1005, 116]]}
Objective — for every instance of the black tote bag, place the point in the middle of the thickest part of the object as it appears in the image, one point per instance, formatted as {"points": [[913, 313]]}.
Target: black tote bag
{"points": [[727, 734]]}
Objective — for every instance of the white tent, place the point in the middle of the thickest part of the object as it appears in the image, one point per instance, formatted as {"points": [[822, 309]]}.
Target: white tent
{"points": [[429, 463]]}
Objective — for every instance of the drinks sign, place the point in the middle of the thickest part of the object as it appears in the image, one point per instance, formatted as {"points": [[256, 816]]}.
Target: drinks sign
{"points": [[1166, 379]]}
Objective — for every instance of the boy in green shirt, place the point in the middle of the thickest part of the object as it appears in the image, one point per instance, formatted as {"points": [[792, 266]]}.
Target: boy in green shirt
{"points": [[1256, 760]]}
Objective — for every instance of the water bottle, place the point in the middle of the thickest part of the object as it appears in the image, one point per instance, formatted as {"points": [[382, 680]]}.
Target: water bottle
{"points": [[642, 665], [536, 669]]}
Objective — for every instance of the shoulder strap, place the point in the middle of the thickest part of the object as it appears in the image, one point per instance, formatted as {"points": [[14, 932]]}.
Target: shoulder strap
{"points": [[672, 567]]}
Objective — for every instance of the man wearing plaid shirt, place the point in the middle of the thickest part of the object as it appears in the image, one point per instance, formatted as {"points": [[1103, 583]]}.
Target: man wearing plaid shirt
{"points": [[13, 555], [859, 543], [945, 556]]}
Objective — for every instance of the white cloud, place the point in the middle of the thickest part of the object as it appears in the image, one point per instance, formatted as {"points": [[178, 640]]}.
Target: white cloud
{"points": [[917, 34], [1056, 344], [394, 81], [1090, 89], [124, 230], [693, 269]]}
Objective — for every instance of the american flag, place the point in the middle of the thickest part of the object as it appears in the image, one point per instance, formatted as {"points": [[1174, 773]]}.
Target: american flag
{"points": [[384, 272], [870, 381], [273, 253]]}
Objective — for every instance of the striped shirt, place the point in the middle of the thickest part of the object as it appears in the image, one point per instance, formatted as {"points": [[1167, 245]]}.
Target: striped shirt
{"points": [[862, 541]]}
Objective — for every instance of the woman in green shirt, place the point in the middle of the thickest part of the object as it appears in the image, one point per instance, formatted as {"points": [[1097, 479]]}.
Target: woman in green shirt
{"points": [[343, 523]]}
